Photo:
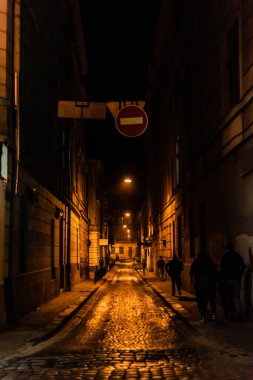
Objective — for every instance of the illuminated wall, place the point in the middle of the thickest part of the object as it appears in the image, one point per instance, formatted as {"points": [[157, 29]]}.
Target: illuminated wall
{"points": [[41, 252], [6, 40], [5, 63]]}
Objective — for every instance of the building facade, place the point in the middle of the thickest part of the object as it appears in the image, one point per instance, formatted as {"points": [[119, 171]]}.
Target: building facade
{"points": [[199, 102], [44, 247]]}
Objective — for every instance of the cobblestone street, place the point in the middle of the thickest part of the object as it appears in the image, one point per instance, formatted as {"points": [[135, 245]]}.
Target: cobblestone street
{"points": [[126, 331]]}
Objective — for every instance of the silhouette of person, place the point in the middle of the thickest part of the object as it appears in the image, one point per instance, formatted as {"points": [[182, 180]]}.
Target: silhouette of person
{"points": [[161, 267], [204, 275], [174, 268], [232, 269], [101, 262]]}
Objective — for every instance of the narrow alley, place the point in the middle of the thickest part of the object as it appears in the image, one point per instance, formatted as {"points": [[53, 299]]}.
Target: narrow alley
{"points": [[126, 138]]}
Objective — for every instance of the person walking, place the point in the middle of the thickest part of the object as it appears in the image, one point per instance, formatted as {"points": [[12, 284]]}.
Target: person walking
{"points": [[161, 267], [101, 262], [143, 265], [174, 268], [204, 275], [232, 269]]}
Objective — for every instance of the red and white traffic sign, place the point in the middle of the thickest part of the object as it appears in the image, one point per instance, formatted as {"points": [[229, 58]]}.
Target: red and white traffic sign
{"points": [[131, 121]]}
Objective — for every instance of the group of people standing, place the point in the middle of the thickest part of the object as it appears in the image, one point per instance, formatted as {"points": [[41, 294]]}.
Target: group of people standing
{"points": [[206, 278]]}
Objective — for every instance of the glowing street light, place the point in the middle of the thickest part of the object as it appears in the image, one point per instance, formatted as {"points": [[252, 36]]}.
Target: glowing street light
{"points": [[127, 180]]}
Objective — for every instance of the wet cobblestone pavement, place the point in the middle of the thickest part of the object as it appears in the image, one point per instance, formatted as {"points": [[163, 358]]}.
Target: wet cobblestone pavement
{"points": [[125, 331], [109, 365]]}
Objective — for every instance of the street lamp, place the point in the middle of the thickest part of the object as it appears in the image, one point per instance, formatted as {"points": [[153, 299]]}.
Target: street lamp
{"points": [[127, 180]]}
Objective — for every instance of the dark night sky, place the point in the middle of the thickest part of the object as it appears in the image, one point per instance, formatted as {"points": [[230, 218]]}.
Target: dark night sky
{"points": [[119, 43]]}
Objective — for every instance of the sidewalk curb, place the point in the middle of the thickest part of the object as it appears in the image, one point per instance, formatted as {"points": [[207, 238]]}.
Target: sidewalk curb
{"points": [[185, 320], [66, 319], [63, 322]]}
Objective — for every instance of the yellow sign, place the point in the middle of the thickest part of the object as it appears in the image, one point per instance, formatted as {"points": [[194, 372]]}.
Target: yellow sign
{"points": [[103, 242], [81, 110]]}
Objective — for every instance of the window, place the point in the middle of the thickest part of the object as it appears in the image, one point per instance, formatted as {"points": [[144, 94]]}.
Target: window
{"points": [[177, 161], [61, 254], [77, 249], [192, 233], [202, 226], [169, 240], [174, 237], [172, 175], [180, 237], [177, 16], [23, 235], [53, 275], [233, 66]]}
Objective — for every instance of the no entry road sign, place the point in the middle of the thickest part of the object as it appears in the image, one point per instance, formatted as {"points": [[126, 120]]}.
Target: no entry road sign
{"points": [[131, 121]]}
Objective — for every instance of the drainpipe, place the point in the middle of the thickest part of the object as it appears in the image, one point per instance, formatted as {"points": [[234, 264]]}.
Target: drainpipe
{"points": [[11, 316], [68, 265], [88, 253], [89, 221]]}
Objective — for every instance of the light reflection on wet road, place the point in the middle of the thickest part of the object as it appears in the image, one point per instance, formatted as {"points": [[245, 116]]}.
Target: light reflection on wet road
{"points": [[126, 316]]}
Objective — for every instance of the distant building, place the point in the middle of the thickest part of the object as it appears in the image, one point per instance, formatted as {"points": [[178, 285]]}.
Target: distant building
{"points": [[124, 234]]}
